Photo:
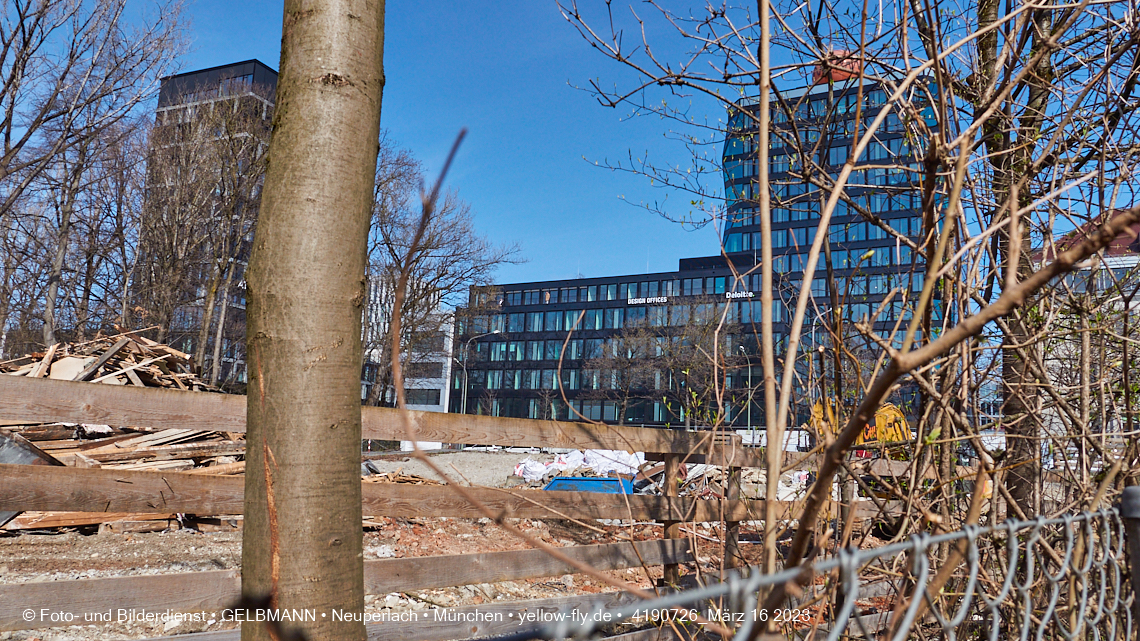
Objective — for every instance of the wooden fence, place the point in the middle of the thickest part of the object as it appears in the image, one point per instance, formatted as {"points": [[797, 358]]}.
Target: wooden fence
{"points": [[49, 488]]}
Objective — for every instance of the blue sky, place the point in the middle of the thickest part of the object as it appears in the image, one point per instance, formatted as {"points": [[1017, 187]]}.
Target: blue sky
{"points": [[504, 70]]}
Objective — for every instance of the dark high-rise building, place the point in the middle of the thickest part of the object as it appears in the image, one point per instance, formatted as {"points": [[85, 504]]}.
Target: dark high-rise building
{"points": [[872, 227], [633, 355], [203, 192]]}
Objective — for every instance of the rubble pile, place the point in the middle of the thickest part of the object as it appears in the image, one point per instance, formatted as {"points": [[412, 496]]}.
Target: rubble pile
{"points": [[126, 359]]}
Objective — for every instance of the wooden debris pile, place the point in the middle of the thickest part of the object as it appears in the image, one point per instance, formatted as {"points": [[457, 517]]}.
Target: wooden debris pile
{"points": [[126, 359], [117, 360]]}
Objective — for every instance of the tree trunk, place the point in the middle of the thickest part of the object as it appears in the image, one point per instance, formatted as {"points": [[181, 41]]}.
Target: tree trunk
{"points": [[216, 365], [66, 209], [208, 304], [303, 540]]}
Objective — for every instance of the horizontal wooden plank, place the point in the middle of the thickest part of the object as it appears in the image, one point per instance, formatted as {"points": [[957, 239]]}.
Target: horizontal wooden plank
{"points": [[219, 589], [45, 400], [64, 489], [184, 592], [495, 619], [419, 573]]}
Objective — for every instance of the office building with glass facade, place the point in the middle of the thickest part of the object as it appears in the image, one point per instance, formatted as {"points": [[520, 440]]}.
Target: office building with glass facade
{"points": [[561, 348]]}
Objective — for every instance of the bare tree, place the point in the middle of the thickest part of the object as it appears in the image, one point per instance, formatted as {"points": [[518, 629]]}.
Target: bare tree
{"points": [[449, 259], [67, 71]]}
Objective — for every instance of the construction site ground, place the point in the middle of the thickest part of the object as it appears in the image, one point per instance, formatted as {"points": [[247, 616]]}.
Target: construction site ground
{"points": [[85, 553]]}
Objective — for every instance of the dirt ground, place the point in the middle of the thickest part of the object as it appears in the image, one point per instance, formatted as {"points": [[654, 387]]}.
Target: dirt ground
{"points": [[489, 469], [84, 554]]}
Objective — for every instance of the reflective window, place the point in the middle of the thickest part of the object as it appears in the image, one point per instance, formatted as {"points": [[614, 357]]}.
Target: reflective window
{"points": [[553, 349], [574, 350], [516, 323], [534, 322], [613, 317], [498, 352], [534, 350]]}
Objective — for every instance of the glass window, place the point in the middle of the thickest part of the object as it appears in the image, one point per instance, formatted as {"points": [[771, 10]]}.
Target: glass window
{"points": [[679, 315], [611, 291], [553, 322], [569, 295], [516, 323], [570, 379], [498, 352], [548, 380], [553, 349], [732, 243], [534, 322], [499, 323], [495, 379], [574, 350], [593, 348], [613, 317], [530, 297], [623, 292], [591, 293], [549, 296], [653, 288], [798, 236], [569, 318], [516, 350], [534, 350], [634, 316], [593, 319], [720, 285], [780, 238], [610, 411]]}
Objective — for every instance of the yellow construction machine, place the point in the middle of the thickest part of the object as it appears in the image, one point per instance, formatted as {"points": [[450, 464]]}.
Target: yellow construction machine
{"points": [[888, 426]]}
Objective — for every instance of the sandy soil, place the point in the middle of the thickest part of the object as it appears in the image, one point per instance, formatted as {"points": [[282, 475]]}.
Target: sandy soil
{"points": [[489, 469]]}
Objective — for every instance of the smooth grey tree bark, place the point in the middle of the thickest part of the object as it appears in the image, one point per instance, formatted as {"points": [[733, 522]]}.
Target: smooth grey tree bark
{"points": [[302, 543]]}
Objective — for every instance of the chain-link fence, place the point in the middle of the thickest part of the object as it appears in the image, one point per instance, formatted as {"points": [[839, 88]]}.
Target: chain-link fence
{"points": [[1059, 579]]}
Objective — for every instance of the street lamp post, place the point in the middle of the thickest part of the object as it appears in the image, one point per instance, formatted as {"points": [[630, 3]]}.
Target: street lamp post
{"points": [[466, 353]]}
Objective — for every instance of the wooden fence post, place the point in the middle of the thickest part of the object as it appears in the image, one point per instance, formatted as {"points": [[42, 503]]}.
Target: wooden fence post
{"points": [[1130, 511], [672, 528], [732, 558]]}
